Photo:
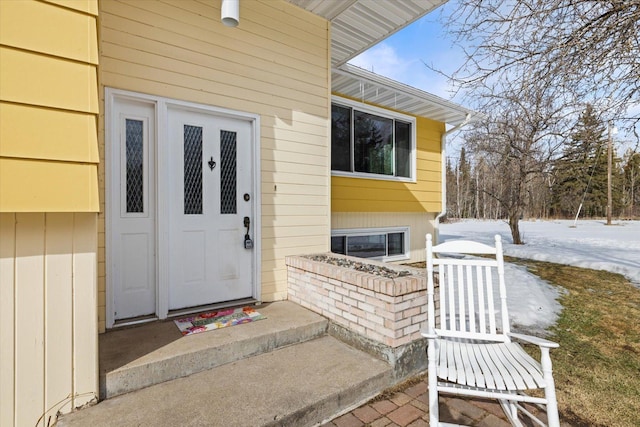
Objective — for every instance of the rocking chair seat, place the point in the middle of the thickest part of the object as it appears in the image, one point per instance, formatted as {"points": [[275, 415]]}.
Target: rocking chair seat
{"points": [[495, 366]]}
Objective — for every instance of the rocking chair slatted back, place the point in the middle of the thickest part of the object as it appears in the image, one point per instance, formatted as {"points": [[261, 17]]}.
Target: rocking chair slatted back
{"points": [[468, 301]]}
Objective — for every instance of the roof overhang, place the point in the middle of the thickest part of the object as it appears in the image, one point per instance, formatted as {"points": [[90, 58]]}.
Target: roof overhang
{"points": [[360, 84], [357, 25]]}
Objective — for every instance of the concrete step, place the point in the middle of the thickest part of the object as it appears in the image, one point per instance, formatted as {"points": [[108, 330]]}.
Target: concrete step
{"points": [[139, 357], [299, 385]]}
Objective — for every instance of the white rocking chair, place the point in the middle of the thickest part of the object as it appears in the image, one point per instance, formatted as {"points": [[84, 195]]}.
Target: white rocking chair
{"points": [[470, 351]]}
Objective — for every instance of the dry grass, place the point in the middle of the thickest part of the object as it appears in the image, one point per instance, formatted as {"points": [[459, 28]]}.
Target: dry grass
{"points": [[597, 367]]}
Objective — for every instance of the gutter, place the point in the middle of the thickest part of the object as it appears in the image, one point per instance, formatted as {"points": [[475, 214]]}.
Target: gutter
{"points": [[443, 145]]}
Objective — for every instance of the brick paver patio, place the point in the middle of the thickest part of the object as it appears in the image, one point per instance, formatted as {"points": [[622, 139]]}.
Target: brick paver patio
{"points": [[406, 406]]}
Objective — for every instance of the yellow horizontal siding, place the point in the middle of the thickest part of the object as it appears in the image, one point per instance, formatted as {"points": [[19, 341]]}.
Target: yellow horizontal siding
{"points": [[30, 185], [370, 195], [59, 32], [201, 22], [272, 209], [391, 195], [201, 66], [284, 221], [294, 188], [301, 160], [48, 106], [309, 146], [141, 79], [89, 7], [31, 78], [67, 135], [277, 233], [384, 206], [294, 177]]}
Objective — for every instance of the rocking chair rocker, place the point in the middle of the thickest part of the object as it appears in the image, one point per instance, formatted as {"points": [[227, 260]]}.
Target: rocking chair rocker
{"points": [[470, 351]]}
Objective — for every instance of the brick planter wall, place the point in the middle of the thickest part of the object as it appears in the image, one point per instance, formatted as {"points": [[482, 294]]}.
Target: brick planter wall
{"points": [[381, 315]]}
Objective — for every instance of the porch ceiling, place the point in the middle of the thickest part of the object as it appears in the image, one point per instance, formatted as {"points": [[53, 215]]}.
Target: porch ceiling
{"points": [[363, 85], [356, 25]]}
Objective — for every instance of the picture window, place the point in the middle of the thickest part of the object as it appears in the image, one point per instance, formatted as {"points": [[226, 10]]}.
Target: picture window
{"points": [[371, 143]]}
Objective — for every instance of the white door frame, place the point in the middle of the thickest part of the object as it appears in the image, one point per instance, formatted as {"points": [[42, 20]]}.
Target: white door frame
{"points": [[162, 200]]}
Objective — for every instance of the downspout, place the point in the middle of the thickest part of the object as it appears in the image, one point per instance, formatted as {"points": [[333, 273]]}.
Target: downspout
{"points": [[443, 145]]}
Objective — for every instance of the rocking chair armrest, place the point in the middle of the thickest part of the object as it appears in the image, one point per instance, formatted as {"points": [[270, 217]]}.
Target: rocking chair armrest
{"points": [[540, 342], [429, 333]]}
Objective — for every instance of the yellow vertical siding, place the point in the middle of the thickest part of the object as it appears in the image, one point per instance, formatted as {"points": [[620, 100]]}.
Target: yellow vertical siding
{"points": [[48, 105], [7, 320], [424, 195], [48, 357], [274, 64]]}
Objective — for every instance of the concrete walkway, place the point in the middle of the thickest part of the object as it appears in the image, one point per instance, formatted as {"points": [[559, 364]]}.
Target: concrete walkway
{"points": [[281, 371]]}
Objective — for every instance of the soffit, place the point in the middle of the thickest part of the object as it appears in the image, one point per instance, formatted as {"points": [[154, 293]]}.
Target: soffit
{"points": [[362, 85], [356, 25]]}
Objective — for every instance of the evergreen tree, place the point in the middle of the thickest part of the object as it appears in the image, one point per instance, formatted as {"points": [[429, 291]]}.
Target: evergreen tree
{"points": [[452, 190], [465, 200], [581, 172], [373, 148]]}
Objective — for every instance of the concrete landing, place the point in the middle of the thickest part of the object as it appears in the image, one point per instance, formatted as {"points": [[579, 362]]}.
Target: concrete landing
{"points": [[141, 356], [299, 385]]}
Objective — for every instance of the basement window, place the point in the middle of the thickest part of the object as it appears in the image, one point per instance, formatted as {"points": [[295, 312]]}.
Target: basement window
{"points": [[383, 244]]}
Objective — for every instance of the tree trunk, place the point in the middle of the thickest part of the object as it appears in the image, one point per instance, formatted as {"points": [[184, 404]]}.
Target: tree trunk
{"points": [[514, 226]]}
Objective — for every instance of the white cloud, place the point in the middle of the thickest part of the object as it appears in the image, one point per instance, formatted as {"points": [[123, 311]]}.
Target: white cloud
{"points": [[385, 60]]}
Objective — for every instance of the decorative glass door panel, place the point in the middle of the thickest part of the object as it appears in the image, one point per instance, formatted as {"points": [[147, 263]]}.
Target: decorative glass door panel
{"points": [[135, 168], [228, 179], [192, 170]]}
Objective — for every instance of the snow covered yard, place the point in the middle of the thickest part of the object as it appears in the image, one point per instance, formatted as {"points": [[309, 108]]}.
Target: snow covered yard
{"points": [[591, 244]]}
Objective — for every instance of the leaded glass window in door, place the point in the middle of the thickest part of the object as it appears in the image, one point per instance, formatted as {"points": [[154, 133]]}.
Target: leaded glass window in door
{"points": [[134, 155], [228, 168], [192, 170]]}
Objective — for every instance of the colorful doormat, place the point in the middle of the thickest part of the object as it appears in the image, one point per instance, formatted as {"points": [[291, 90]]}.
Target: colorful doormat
{"points": [[217, 319]]}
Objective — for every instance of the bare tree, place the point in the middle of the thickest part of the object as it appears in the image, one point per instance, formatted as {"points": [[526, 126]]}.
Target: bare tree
{"points": [[517, 141], [588, 50]]}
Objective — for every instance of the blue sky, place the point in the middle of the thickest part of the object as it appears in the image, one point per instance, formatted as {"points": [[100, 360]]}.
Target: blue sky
{"points": [[402, 56]]}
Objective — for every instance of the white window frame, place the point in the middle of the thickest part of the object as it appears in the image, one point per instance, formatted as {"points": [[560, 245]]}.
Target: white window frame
{"points": [[370, 109], [351, 232]]}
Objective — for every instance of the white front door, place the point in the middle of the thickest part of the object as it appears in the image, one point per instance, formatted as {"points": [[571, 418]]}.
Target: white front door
{"points": [[180, 208], [210, 193]]}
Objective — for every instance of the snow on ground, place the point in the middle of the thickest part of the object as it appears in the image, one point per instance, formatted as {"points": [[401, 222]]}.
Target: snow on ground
{"points": [[590, 244]]}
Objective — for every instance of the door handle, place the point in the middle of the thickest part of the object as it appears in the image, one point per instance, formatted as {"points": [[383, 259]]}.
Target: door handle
{"points": [[212, 164], [248, 243]]}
